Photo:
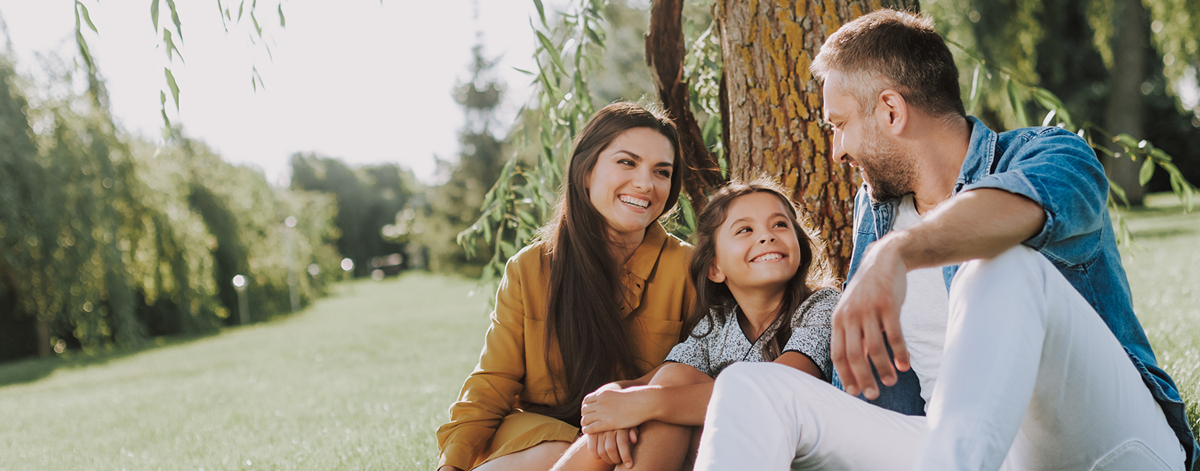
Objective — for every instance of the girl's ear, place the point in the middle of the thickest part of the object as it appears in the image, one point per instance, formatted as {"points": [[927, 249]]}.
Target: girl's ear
{"points": [[715, 275]]}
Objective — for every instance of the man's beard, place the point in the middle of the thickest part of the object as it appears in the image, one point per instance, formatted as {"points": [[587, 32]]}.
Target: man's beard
{"points": [[888, 172]]}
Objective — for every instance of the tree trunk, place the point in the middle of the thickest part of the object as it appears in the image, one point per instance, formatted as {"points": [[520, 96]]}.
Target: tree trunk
{"points": [[664, 56], [1124, 114], [774, 104]]}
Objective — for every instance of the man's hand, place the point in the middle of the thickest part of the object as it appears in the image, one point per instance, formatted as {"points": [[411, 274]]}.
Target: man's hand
{"points": [[614, 447], [867, 311]]}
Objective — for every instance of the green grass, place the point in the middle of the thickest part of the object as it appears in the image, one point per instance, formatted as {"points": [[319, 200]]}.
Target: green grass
{"points": [[1163, 266], [361, 379]]}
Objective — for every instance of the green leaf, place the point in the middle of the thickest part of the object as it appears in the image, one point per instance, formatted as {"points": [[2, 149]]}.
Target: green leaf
{"points": [[1049, 118], [1117, 190], [170, 43], [86, 17], [256, 26], [175, 18], [1146, 172], [1018, 103], [282, 21], [523, 71], [973, 100], [551, 51], [224, 14], [154, 13], [84, 51], [1128, 141], [541, 11], [1051, 102], [241, 7], [1159, 155], [1106, 151], [173, 86], [595, 37]]}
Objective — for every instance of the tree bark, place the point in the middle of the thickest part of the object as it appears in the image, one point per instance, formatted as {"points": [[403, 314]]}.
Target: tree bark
{"points": [[1124, 114], [664, 55], [774, 106]]}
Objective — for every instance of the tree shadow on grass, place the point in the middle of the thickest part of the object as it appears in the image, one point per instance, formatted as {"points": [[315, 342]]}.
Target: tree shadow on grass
{"points": [[30, 370]]}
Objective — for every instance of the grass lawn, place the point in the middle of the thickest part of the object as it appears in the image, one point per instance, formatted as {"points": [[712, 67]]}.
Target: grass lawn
{"points": [[358, 381], [361, 379]]}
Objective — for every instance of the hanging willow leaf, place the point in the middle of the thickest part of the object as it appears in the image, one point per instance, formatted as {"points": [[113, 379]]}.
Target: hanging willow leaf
{"points": [[282, 21], [170, 45], [175, 18], [154, 13], [84, 51], [172, 85], [1146, 172], [1018, 103], [86, 17], [973, 100], [541, 11]]}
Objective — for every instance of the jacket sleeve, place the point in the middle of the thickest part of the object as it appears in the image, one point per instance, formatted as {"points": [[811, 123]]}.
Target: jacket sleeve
{"points": [[489, 393], [1058, 171]]}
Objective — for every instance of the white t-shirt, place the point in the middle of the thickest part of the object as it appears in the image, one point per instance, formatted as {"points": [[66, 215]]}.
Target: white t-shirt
{"points": [[925, 312]]}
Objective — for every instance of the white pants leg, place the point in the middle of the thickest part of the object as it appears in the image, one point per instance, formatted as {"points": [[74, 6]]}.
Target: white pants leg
{"points": [[1032, 378], [765, 416]]}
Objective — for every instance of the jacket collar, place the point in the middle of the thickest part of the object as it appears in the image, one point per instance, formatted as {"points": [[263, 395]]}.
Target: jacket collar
{"points": [[981, 154]]}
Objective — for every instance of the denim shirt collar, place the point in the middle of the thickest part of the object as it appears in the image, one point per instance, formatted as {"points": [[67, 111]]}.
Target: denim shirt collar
{"points": [[981, 155]]}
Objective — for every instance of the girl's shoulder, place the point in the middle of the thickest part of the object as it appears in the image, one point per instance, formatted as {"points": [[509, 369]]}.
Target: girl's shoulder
{"points": [[817, 308]]}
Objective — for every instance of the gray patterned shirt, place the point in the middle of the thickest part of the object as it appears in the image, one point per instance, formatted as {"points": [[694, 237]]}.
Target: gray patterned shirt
{"points": [[726, 343]]}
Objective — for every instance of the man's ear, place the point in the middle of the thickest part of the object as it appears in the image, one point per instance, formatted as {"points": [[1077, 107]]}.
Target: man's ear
{"points": [[715, 275], [892, 111]]}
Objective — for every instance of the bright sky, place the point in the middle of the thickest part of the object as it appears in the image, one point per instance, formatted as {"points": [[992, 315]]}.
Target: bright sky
{"points": [[365, 81]]}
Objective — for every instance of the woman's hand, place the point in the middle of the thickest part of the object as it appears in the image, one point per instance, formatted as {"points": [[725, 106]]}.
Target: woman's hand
{"points": [[612, 409], [613, 447]]}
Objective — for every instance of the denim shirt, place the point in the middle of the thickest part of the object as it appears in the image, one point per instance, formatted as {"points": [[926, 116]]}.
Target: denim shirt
{"points": [[1059, 171]]}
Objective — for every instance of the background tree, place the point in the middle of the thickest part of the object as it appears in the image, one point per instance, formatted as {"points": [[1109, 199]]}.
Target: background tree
{"points": [[454, 205], [368, 199], [106, 240]]}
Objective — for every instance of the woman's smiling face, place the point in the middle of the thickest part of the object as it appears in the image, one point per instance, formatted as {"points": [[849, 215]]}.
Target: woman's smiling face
{"points": [[631, 180]]}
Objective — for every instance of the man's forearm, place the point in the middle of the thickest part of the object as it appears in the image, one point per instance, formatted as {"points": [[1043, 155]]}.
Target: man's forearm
{"points": [[975, 224]]}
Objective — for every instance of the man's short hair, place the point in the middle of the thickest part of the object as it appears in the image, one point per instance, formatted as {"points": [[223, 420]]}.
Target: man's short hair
{"points": [[897, 50]]}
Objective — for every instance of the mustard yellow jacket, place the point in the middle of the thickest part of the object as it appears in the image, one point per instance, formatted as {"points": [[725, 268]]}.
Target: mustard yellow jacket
{"points": [[513, 366]]}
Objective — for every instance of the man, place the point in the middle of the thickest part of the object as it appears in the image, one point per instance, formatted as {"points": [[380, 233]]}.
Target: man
{"points": [[1027, 355]]}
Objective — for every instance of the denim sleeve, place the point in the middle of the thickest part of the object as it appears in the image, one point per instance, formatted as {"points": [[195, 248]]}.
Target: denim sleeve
{"points": [[1058, 171]]}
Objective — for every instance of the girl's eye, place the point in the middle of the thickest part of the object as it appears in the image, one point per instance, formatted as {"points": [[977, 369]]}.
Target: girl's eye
{"points": [[743, 229], [783, 224]]}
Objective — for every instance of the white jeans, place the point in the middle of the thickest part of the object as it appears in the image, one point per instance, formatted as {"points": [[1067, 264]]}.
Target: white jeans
{"points": [[1031, 378]]}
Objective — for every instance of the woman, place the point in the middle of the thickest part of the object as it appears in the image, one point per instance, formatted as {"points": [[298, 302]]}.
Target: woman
{"points": [[600, 297]]}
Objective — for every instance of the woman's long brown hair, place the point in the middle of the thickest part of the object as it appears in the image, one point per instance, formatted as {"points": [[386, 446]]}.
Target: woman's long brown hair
{"points": [[583, 316], [715, 299]]}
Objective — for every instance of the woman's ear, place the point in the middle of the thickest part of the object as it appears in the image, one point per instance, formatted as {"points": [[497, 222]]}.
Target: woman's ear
{"points": [[715, 275]]}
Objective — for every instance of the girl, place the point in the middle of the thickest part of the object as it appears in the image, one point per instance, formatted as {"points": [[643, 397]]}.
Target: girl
{"points": [[758, 298], [600, 297]]}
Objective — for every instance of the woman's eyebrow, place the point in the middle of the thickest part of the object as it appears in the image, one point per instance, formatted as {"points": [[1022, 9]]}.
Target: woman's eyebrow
{"points": [[631, 154]]}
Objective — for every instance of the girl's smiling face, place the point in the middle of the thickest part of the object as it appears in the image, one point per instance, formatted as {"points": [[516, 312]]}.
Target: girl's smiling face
{"points": [[631, 181], [756, 246]]}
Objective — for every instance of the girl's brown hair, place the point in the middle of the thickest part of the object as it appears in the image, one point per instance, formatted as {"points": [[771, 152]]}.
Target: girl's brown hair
{"points": [[714, 299], [583, 316]]}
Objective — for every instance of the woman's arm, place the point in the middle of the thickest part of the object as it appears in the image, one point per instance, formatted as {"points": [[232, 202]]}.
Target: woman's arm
{"points": [[677, 394], [488, 393]]}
